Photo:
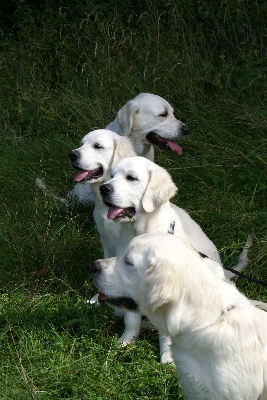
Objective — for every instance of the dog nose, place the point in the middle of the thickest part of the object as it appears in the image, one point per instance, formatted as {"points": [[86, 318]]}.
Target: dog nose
{"points": [[105, 189], [95, 267], [184, 129], [74, 155]]}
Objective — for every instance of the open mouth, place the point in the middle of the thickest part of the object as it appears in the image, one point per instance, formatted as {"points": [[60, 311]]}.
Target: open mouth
{"points": [[163, 144], [83, 176], [118, 212], [122, 302]]}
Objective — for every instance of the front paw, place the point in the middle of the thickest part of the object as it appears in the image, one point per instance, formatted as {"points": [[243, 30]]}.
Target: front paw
{"points": [[166, 358]]}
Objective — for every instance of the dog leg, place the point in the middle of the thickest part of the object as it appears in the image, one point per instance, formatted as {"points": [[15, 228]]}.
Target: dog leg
{"points": [[165, 350], [132, 323]]}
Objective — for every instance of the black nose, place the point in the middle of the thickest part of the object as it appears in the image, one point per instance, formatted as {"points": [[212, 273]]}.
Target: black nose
{"points": [[95, 267], [184, 129], [74, 155], [105, 189]]}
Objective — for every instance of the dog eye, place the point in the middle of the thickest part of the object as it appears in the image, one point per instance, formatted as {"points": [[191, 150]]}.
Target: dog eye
{"points": [[164, 114], [126, 260], [98, 146], [131, 178]]}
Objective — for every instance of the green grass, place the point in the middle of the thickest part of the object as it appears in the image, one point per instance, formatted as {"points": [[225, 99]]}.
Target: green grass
{"points": [[58, 347], [61, 77]]}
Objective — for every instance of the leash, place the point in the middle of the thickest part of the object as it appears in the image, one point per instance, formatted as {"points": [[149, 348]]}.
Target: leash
{"points": [[240, 274], [248, 277]]}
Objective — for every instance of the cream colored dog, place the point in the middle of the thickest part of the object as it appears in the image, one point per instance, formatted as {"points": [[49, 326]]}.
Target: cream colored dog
{"points": [[100, 150], [219, 339], [138, 197], [149, 121]]}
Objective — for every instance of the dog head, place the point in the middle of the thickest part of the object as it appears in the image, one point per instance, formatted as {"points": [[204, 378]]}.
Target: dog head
{"points": [[137, 186], [149, 276], [149, 118], [100, 150], [164, 278]]}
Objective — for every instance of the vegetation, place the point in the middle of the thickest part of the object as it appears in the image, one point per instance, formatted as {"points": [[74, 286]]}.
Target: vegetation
{"points": [[65, 69]]}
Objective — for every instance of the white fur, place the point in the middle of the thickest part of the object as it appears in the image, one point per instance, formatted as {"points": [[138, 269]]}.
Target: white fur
{"points": [[136, 119], [142, 184], [219, 339], [103, 148], [149, 193], [139, 183]]}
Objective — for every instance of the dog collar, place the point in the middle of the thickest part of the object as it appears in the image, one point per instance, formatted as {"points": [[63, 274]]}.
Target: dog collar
{"points": [[171, 228]]}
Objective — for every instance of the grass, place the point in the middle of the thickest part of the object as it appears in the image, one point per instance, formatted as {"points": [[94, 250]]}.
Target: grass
{"points": [[61, 78]]}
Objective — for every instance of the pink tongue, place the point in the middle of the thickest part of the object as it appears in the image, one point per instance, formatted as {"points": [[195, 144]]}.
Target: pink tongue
{"points": [[80, 175], [175, 147], [113, 212]]}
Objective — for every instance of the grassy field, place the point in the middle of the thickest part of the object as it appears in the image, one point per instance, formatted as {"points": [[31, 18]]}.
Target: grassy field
{"points": [[64, 72]]}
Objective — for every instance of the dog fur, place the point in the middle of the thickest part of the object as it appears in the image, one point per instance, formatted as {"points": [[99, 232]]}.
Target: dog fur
{"points": [[147, 120], [145, 187], [219, 339], [100, 150]]}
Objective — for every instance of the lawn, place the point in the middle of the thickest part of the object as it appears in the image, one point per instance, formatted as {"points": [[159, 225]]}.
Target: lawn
{"points": [[66, 70]]}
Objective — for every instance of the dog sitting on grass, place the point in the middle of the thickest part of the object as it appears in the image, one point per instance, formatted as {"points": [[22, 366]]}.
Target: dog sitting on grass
{"points": [[219, 339]]}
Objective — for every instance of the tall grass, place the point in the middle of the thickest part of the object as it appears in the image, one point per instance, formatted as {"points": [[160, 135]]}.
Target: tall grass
{"points": [[66, 70]]}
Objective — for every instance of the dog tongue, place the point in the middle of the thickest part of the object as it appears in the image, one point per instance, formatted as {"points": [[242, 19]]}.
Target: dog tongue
{"points": [[113, 212], [175, 147], [102, 297], [80, 175]]}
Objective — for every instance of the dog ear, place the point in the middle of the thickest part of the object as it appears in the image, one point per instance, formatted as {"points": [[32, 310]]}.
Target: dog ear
{"points": [[122, 148], [160, 188], [162, 285], [126, 116]]}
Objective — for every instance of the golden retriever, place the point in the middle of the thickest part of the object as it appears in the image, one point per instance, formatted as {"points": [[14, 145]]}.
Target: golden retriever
{"points": [[219, 339]]}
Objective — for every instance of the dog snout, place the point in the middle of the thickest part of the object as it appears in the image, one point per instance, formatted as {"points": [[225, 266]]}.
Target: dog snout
{"points": [[95, 267], [105, 189], [74, 155], [184, 129]]}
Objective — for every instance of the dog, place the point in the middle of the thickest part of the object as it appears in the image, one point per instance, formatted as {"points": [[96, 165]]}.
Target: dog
{"points": [[100, 150], [147, 120], [138, 196], [218, 338], [138, 199]]}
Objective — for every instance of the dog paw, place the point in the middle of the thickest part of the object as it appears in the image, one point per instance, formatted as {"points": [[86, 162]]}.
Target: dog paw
{"points": [[126, 338], [166, 358]]}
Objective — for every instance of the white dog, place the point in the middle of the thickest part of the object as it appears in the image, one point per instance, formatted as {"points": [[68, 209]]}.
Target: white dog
{"points": [[219, 340], [100, 150], [138, 196], [148, 121]]}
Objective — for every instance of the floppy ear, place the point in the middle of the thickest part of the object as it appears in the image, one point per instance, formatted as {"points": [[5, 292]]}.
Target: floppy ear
{"points": [[162, 284], [160, 188], [126, 116], [122, 148]]}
